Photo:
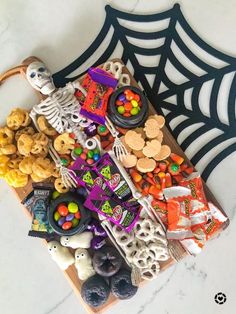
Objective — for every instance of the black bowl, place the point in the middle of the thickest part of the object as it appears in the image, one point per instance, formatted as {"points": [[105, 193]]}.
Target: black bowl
{"points": [[127, 122], [85, 214]]}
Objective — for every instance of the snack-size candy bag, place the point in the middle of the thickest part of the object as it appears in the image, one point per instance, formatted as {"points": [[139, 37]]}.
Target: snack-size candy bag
{"points": [[200, 212], [178, 212], [86, 175], [109, 172], [161, 208], [28, 201], [39, 208], [202, 233], [110, 208]]}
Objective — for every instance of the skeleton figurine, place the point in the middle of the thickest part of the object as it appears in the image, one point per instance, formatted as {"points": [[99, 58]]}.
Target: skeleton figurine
{"points": [[60, 108]]}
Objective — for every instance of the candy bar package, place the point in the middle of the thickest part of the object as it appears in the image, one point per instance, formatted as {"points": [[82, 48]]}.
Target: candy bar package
{"points": [[86, 175], [110, 208], [39, 208], [109, 172], [28, 201], [99, 86]]}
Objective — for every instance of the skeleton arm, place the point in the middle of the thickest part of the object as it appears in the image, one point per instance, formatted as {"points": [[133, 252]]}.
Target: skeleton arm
{"points": [[71, 86]]}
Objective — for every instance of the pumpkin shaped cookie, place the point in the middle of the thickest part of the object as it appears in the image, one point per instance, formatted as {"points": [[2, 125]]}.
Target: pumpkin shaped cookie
{"points": [[152, 148], [134, 140], [151, 128], [145, 165]]}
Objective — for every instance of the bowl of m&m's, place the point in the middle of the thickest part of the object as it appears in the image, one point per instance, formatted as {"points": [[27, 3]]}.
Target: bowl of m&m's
{"points": [[67, 215], [128, 107]]}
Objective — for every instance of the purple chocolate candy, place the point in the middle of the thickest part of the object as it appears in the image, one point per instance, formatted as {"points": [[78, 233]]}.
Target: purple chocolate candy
{"points": [[122, 97], [97, 242], [61, 221], [92, 225], [91, 130], [99, 231], [70, 217]]}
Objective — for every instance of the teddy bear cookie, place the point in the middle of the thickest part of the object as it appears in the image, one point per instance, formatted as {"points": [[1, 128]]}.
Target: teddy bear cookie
{"points": [[144, 145]]}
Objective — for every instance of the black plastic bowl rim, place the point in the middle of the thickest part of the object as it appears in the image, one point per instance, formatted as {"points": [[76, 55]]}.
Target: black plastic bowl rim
{"points": [[67, 198]]}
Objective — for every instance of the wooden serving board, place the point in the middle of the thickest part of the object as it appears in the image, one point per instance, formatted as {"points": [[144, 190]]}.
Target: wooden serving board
{"points": [[71, 272]]}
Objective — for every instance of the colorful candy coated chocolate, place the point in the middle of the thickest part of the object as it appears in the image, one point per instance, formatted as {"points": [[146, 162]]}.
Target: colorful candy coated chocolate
{"points": [[73, 207], [78, 151], [121, 97], [128, 106], [90, 161], [134, 111], [121, 109], [62, 209], [64, 162], [67, 225], [77, 215], [61, 221], [75, 222], [134, 103], [90, 154], [55, 195], [96, 151], [96, 157], [56, 216], [119, 103], [83, 156], [70, 217]]}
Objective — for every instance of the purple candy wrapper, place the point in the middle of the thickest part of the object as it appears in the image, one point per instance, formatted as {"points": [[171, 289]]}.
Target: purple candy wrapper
{"points": [[109, 172], [102, 77], [110, 208], [86, 175]]}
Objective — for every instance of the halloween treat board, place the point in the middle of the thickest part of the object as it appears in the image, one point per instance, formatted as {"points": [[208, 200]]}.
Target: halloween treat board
{"points": [[104, 182]]}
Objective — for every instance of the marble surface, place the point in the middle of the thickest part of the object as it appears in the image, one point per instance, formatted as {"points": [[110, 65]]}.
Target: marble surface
{"points": [[30, 282]]}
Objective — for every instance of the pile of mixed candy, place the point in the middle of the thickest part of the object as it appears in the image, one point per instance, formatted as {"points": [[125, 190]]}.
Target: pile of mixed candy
{"points": [[107, 193]]}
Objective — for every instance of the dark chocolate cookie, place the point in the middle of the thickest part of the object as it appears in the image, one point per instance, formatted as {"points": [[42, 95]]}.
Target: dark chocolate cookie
{"points": [[121, 285], [95, 291], [107, 261]]}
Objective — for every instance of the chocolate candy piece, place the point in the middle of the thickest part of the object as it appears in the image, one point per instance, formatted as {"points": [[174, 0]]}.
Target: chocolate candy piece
{"points": [[96, 157], [61, 221], [75, 222], [121, 285], [56, 216], [70, 217], [67, 225], [55, 194], [91, 130], [62, 210], [97, 242], [78, 150], [95, 291], [99, 231], [73, 207]]}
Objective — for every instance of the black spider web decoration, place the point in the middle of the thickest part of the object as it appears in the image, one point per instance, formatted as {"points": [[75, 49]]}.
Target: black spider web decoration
{"points": [[187, 68]]}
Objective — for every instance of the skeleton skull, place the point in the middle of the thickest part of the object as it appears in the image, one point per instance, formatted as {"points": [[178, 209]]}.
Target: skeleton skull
{"points": [[40, 78]]}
